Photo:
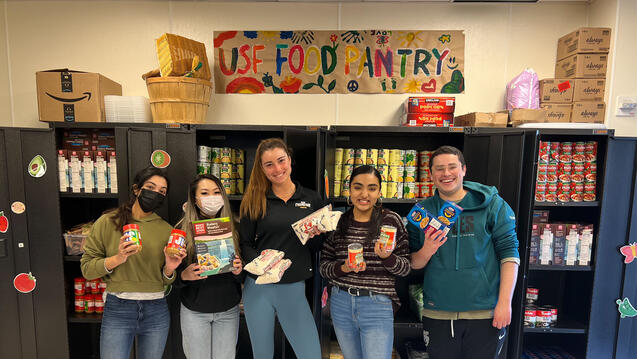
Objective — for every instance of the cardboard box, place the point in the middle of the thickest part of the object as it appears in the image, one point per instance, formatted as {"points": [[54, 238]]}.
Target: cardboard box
{"points": [[521, 116], [556, 91], [427, 119], [559, 244], [589, 90], [430, 105], [557, 112], [482, 119], [73, 96], [582, 66], [589, 112], [585, 39]]}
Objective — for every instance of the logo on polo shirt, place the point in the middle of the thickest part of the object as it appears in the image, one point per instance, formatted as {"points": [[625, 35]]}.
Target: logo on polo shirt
{"points": [[303, 205]]}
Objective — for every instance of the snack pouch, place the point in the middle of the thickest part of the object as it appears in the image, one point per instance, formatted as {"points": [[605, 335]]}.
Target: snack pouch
{"points": [[324, 219], [264, 261], [274, 274]]}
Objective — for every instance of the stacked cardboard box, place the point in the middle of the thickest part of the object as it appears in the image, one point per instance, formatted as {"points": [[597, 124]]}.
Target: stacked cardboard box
{"points": [[576, 94], [428, 112]]}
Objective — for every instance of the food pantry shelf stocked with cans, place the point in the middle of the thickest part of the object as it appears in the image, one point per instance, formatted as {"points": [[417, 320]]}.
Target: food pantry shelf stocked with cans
{"points": [[561, 244], [225, 163], [89, 295], [566, 172], [536, 316], [405, 173]]}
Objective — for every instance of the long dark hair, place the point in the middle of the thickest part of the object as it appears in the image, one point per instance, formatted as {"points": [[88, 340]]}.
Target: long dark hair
{"points": [[377, 212], [124, 214], [193, 213]]}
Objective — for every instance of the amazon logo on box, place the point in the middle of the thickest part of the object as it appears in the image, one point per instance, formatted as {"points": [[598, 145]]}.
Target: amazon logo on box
{"points": [[73, 96]]}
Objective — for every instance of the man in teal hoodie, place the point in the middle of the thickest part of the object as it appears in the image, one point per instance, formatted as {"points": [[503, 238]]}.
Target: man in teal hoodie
{"points": [[469, 274]]}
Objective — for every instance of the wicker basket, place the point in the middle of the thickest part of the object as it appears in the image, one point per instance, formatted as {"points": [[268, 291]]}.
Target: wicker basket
{"points": [[178, 99]]}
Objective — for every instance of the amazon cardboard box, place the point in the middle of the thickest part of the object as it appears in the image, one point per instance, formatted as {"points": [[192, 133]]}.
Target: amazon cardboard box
{"points": [[73, 96], [582, 40]]}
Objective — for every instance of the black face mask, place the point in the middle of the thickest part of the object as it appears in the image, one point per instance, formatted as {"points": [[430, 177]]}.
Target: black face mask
{"points": [[150, 200]]}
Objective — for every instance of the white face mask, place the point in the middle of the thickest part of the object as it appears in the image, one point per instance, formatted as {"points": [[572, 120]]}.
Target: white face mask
{"points": [[210, 205]]}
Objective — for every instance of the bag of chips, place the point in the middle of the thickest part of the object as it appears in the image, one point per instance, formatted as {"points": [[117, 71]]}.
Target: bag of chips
{"points": [[264, 261]]}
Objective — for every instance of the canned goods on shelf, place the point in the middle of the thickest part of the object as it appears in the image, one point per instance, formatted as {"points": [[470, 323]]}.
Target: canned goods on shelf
{"points": [[372, 157], [204, 153], [346, 175], [240, 186], [360, 156], [410, 158], [215, 170], [338, 156], [337, 188], [215, 155], [348, 156], [382, 157], [226, 155], [203, 167]]}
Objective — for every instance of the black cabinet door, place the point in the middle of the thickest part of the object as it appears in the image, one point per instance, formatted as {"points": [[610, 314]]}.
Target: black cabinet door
{"points": [[34, 324], [180, 145], [614, 279], [496, 157], [308, 154]]}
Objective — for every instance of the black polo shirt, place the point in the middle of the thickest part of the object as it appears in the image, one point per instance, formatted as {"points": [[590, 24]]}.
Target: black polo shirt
{"points": [[274, 231]]}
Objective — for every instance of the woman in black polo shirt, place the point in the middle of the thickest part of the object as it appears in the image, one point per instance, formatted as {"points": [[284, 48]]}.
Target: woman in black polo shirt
{"points": [[271, 204]]}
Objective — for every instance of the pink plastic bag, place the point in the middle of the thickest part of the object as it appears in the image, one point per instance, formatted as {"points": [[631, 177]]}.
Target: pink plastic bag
{"points": [[523, 91]]}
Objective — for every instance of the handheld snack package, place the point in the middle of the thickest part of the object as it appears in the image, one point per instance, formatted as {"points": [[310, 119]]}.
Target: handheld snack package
{"points": [[449, 213], [214, 245], [266, 260], [324, 219], [274, 274]]}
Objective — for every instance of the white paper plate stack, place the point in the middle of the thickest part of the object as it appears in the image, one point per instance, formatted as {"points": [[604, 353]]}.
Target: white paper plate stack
{"points": [[127, 109]]}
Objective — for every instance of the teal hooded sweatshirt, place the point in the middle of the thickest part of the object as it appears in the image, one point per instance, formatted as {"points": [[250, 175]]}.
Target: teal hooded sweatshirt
{"points": [[464, 274]]}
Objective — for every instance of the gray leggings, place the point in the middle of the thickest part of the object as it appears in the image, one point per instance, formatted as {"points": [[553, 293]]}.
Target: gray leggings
{"points": [[287, 301]]}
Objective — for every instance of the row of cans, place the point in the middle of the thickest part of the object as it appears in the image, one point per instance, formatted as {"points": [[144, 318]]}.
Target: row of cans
{"points": [[392, 189], [567, 172], [222, 170], [387, 173], [89, 303], [564, 151], [540, 317], [220, 155], [383, 156]]}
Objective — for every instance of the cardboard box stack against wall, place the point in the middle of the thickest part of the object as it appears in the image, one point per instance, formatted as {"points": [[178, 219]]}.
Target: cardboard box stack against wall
{"points": [[576, 94]]}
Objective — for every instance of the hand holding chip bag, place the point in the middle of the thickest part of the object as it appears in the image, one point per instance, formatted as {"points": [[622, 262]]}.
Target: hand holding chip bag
{"points": [[274, 274], [323, 220]]}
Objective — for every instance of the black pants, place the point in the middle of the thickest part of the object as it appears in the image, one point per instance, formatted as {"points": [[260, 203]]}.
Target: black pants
{"points": [[463, 339]]}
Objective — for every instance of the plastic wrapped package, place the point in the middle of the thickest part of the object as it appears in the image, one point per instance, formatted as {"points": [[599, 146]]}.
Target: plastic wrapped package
{"points": [[523, 91]]}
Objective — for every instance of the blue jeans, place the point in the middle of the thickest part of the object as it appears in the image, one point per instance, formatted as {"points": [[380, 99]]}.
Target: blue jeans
{"points": [[210, 335], [364, 325], [261, 302], [123, 320]]}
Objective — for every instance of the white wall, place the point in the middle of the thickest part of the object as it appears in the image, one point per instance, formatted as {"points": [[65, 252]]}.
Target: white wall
{"points": [[622, 74], [117, 40], [5, 99]]}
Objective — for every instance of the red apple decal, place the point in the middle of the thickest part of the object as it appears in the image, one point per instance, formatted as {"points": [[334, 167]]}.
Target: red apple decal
{"points": [[4, 223], [24, 282]]}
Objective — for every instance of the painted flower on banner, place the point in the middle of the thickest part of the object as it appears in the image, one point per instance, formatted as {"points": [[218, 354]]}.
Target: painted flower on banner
{"points": [[251, 34], [245, 85], [291, 84], [286, 35], [333, 37]]}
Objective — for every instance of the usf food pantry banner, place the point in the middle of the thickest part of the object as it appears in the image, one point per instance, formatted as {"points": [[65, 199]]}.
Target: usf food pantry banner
{"points": [[324, 62]]}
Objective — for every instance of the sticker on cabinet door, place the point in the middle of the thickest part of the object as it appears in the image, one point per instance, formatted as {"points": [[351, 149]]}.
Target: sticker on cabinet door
{"points": [[4, 223], [24, 282], [625, 308], [18, 207], [37, 166], [629, 252], [160, 159]]}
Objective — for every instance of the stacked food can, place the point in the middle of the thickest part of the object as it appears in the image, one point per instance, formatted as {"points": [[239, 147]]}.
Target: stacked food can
{"points": [[88, 295], [538, 316], [404, 173], [566, 172], [225, 163]]}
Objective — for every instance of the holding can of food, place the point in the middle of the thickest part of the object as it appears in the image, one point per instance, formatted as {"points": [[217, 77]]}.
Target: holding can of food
{"points": [[134, 234], [176, 242], [355, 255], [387, 238]]}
